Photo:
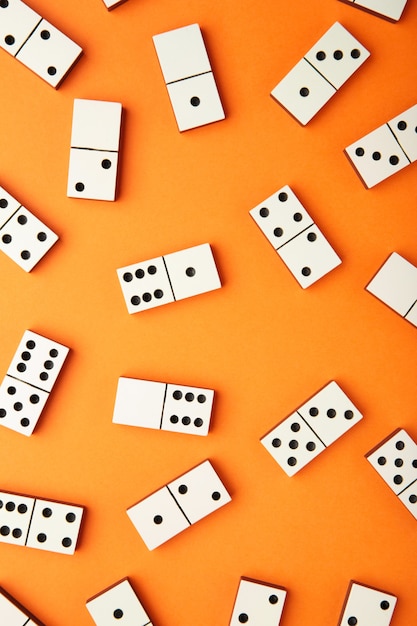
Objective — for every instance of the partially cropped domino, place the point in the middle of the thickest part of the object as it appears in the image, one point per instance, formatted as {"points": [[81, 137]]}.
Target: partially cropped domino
{"points": [[258, 603], [36, 43], [367, 606], [391, 10], [169, 278], [12, 613], [112, 4]]}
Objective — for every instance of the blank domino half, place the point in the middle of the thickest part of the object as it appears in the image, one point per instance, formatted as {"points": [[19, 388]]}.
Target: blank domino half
{"points": [[391, 11], [188, 77], [12, 613]]}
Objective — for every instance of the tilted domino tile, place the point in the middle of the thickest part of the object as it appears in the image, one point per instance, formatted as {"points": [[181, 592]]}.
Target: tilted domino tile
{"points": [[323, 70], [188, 76], [291, 231], [112, 4], [23, 237], [12, 613], [315, 425], [95, 140], [29, 380], [395, 460], [168, 278], [258, 603], [395, 284], [164, 406], [118, 602], [385, 150], [388, 9], [36, 43], [180, 503], [43, 524], [367, 606]]}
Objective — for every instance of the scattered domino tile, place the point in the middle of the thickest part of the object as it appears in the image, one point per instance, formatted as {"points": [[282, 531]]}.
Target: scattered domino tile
{"points": [[112, 4], [43, 524], [12, 613], [23, 237], [315, 425], [36, 43], [178, 505], [258, 603], [385, 150], [94, 153], [395, 284], [163, 406], [296, 238], [387, 9], [169, 278], [188, 76], [395, 460], [367, 606], [29, 381], [118, 602], [323, 70]]}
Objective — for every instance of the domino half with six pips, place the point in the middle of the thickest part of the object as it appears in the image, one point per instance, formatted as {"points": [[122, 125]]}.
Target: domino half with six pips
{"points": [[43, 524], [178, 505], [294, 235], [188, 77], [169, 278], [12, 613], [23, 237], [163, 406], [395, 460], [385, 150], [36, 43], [395, 284], [94, 152], [314, 426], [29, 381], [258, 603], [389, 9], [367, 606], [320, 73], [118, 604]]}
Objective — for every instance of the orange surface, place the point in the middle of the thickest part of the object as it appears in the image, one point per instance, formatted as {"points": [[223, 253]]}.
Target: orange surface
{"points": [[264, 344]]}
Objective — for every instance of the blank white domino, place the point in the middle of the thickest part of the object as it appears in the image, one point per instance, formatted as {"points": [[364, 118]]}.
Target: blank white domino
{"points": [[181, 503], [315, 425], [367, 606], [291, 231], [395, 284], [12, 613], [112, 4], [94, 153], [36, 43], [30, 378], [323, 70], [118, 604], [188, 76], [43, 524], [385, 150], [168, 278], [387, 9], [23, 237], [258, 603], [163, 406]]}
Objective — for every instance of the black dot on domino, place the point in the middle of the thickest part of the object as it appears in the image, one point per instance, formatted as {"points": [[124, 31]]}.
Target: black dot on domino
{"points": [[394, 160], [273, 599], [174, 419], [158, 294], [24, 422], [295, 427], [66, 542], [152, 270], [106, 164], [25, 254], [9, 39], [47, 512], [398, 479], [22, 509], [412, 499], [10, 506], [384, 605], [264, 212], [276, 443], [186, 421], [283, 196], [216, 495], [331, 413], [311, 236], [177, 395], [190, 271], [352, 621], [127, 277], [381, 460], [182, 489], [278, 232], [306, 271], [243, 618], [293, 444], [201, 398], [17, 533], [41, 537], [398, 462], [311, 446], [304, 92], [3, 202], [118, 614], [348, 414], [292, 461], [376, 156], [195, 101], [41, 236], [359, 152], [79, 186], [45, 34], [4, 531], [22, 220], [139, 274], [158, 519], [70, 517], [18, 406], [147, 297], [198, 422], [338, 55], [51, 70], [3, 413], [400, 445], [11, 391], [402, 125], [6, 239], [189, 397], [4, 4], [321, 55]]}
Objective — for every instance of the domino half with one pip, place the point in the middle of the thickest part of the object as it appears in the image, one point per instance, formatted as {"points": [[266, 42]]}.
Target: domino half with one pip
{"points": [[395, 460], [169, 278], [296, 238], [23, 237], [388, 9], [395, 284], [258, 603], [188, 77], [163, 406], [118, 602], [12, 613], [43, 524], [367, 606], [323, 70], [35, 42], [94, 153], [314, 426], [29, 380], [178, 505], [385, 150]]}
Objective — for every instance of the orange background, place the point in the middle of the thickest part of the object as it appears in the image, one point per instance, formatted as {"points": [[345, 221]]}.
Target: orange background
{"points": [[263, 343]]}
